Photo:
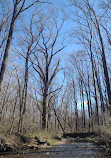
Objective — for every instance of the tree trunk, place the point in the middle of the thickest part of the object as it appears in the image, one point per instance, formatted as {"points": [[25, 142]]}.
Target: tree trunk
{"points": [[24, 95], [45, 110], [8, 44], [103, 55]]}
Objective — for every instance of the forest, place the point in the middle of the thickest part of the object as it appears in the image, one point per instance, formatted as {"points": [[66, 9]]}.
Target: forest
{"points": [[55, 70]]}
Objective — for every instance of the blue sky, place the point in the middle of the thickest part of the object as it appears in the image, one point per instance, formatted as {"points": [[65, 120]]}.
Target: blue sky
{"points": [[59, 3], [62, 6]]}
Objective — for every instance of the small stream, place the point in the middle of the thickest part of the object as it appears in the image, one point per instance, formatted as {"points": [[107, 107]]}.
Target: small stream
{"points": [[70, 150]]}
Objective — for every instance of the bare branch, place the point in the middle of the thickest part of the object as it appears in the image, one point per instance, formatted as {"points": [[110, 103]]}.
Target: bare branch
{"points": [[38, 73], [59, 50], [54, 73], [55, 90], [33, 4]]}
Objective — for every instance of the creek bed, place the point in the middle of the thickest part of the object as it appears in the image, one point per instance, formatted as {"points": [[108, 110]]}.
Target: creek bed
{"points": [[69, 150]]}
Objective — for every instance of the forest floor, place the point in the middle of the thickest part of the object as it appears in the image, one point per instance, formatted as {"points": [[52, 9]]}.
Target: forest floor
{"points": [[18, 142], [40, 140]]}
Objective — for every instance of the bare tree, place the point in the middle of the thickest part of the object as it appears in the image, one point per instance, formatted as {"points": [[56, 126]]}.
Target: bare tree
{"points": [[45, 54], [26, 47]]}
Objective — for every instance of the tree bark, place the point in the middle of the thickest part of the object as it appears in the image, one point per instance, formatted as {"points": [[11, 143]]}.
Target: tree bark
{"points": [[8, 44]]}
